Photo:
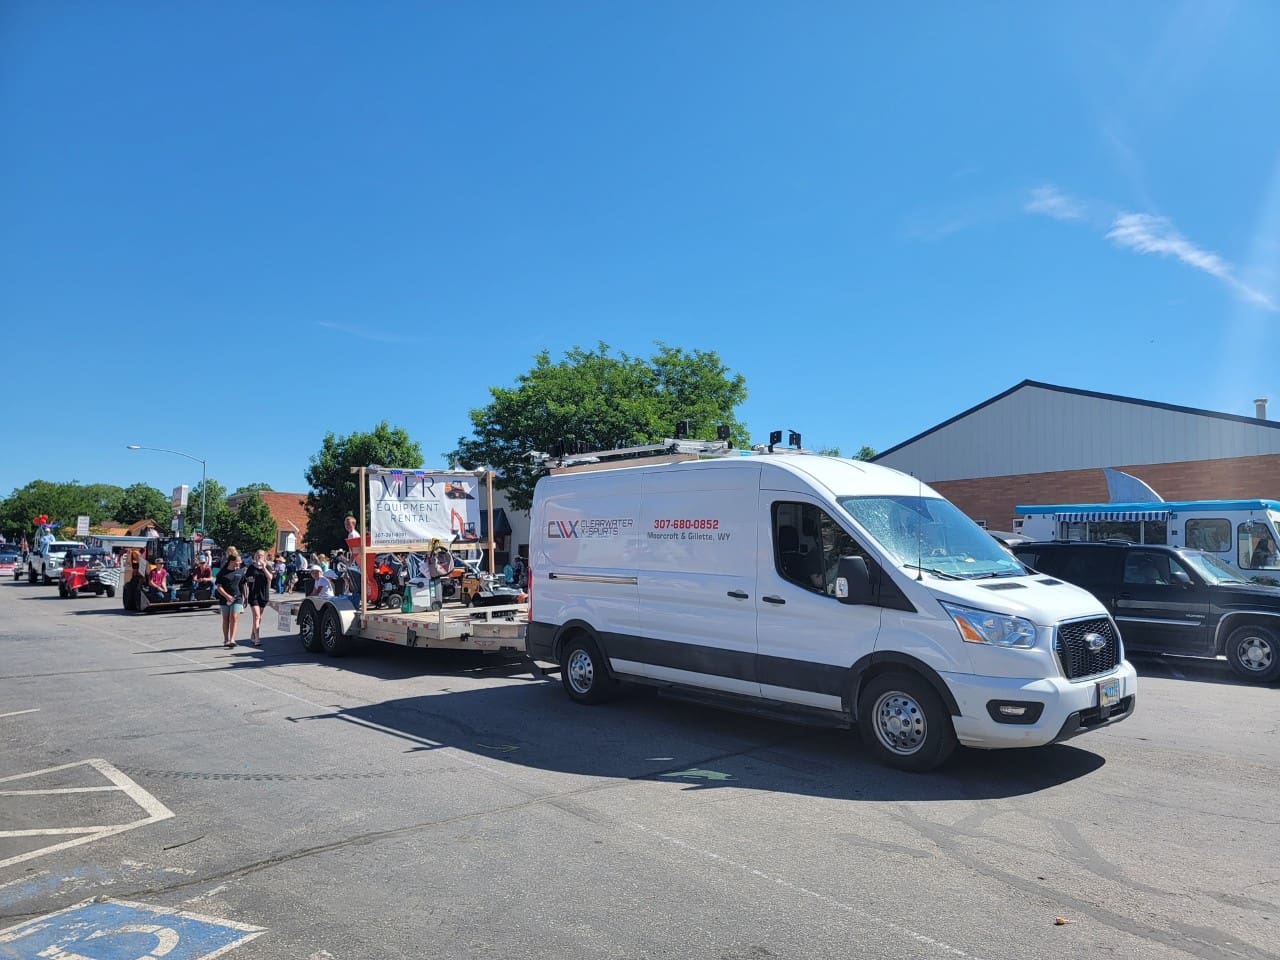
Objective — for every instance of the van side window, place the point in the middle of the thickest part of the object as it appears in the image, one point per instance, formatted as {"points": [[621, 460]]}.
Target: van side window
{"points": [[808, 545], [1213, 535]]}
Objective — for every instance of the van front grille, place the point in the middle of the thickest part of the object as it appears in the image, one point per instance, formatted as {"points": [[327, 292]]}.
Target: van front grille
{"points": [[1073, 648]]}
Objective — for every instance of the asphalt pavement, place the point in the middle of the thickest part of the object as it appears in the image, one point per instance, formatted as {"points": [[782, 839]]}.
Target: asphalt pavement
{"points": [[162, 796]]}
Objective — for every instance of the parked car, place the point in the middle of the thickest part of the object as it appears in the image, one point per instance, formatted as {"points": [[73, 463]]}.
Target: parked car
{"points": [[1173, 600], [11, 561]]}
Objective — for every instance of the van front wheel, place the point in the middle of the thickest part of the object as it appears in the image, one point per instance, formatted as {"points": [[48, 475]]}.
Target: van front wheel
{"points": [[586, 678], [904, 722]]}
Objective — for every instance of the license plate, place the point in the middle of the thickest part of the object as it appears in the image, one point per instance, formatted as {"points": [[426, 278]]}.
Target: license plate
{"points": [[1108, 693]]}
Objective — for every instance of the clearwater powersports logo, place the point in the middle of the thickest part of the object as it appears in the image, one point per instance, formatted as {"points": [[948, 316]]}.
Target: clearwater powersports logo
{"points": [[588, 529]]}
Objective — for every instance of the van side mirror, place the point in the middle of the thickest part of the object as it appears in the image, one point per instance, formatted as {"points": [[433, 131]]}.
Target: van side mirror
{"points": [[853, 581], [1179, 578]]}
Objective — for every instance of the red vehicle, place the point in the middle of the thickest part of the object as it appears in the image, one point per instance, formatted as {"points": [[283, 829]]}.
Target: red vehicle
{"points": [[89, 570]]}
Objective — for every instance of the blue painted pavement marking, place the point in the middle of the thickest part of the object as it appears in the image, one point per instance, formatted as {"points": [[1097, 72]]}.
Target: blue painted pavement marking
{"points": [[118, 930]]}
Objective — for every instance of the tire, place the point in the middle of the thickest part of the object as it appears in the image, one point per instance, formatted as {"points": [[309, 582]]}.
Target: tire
{"points": [[130, 596], [904, 723], [309, 628], [62, 590], [333, 641], [1254, 653], [111, 591], [584, 672], [44, 579], [31, 575], [393, 601]]}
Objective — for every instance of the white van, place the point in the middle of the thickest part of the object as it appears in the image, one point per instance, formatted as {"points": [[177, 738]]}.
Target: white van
{"points": [[837, 589]]}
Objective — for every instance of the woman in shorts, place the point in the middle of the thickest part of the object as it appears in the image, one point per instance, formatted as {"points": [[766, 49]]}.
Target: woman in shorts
{"points": [[230, 593], [257, 590]]}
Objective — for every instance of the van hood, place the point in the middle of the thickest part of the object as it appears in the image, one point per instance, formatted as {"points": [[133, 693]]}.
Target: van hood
{"points": [[1032, 598]]}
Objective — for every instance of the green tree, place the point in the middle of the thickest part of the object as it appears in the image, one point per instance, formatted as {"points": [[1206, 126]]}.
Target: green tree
{"points": [[333, 492], [252, 488], [63, 502], [866, 453], [251, 526], [602, 401], [141, 502], [217, 516]]}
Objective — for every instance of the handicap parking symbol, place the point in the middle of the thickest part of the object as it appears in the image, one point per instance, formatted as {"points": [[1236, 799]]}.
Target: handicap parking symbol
{"points": [[118, 930]]}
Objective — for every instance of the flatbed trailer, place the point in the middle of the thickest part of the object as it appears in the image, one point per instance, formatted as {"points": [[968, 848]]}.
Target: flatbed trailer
{"points": [[329, 624]]}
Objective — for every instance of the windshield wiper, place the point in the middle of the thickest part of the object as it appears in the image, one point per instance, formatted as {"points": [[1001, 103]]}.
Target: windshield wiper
{"points": [[935, 571]]}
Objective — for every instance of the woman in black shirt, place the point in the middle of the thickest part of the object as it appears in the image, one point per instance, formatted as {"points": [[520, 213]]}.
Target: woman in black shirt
{"points": [[230, 593], [257, 589]]}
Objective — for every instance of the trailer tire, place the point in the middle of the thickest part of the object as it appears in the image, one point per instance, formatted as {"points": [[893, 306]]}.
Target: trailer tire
{"points": [[111, 592], [309, 627], [393, 601], [333, 640]]}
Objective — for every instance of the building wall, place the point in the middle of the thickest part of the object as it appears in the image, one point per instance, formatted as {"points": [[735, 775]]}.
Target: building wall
{"points": [[1035, 428], [1234, 478]]}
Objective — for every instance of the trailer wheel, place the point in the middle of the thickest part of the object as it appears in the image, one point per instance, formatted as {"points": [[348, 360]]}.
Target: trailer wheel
{"points": [[331, 636], [393, 601], [583, 671], [309, 628], [904, 722], [111, 591]]}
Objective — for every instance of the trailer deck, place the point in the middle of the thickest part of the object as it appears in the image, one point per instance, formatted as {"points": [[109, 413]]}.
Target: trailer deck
{"points": [[452, 627]]}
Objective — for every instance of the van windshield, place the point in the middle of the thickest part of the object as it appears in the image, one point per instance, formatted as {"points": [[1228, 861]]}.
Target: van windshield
{"points": [[933, 534]]}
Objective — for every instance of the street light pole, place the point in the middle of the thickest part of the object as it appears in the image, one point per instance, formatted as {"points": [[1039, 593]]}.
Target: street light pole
{"points": [[204, 474]]}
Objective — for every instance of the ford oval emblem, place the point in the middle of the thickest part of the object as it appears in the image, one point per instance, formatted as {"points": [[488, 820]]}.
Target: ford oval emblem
{"points": [[1094, 641]]}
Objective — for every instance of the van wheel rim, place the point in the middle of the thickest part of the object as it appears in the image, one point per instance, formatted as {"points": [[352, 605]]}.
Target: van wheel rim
{"points": [[1255, 653], [582, 672], [900, 723]]}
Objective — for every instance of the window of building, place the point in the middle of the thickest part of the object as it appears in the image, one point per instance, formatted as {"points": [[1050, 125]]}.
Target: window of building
{"points": [[1213, 534]]}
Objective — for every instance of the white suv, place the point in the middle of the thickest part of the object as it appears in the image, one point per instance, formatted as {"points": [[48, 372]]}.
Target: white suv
{"points": [[45, 565]]}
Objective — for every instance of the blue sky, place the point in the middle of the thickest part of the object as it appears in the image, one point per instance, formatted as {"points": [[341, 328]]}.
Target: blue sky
{"points": [[238, 226]]}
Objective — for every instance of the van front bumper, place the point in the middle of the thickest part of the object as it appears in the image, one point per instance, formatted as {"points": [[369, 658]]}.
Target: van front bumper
{"points": [[1066, 708]]}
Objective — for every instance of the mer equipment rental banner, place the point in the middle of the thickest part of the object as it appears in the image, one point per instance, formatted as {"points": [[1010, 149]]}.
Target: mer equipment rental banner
{"points": [[414, 506]]}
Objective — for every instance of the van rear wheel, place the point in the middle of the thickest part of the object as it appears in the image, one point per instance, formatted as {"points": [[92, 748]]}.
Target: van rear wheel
{"points": [[904, 722], [583, 671]]}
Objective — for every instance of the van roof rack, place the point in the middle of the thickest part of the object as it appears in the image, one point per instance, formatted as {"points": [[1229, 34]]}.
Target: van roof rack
{"points": [[662, 451]]}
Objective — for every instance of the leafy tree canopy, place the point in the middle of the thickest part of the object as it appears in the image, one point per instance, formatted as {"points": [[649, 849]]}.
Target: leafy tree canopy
{"points": [[216, 513], [251, 527], [333, 486], [252, 488], [142, 502], [866, 453], [602, 400], [63, 502]]}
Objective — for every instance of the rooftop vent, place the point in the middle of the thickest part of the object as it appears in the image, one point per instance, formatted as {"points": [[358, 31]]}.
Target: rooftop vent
{"points": [[1260, 408]]}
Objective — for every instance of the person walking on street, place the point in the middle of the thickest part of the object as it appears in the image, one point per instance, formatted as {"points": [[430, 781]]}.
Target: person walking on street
{"points": [[229, 591], [278, 570], [257, 590]]}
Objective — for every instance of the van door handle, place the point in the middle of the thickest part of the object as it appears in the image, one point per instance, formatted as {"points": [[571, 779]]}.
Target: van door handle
{"points": [[738, 594], [773, 600]]}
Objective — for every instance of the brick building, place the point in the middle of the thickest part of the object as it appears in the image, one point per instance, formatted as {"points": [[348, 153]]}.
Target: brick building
{"points": [[290, 513], [1041, 443]]}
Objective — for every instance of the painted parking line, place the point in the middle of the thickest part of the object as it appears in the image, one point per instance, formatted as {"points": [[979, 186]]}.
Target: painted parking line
{"points": [[18, 713], [154, 810], [120, 930]]}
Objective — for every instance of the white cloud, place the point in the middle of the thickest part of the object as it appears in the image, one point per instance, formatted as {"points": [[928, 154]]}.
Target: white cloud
{"points": [[1145, 233], [1052, 202]]}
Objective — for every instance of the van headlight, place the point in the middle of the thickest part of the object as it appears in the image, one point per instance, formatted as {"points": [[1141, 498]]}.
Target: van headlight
{"points": [[997, 629]]}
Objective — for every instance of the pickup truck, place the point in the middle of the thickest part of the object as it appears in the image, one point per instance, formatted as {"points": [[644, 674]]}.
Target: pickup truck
{"points": [[45, 565]]}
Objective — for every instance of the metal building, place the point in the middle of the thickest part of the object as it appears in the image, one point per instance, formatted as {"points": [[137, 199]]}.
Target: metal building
{"points": [[1042, 443]]}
